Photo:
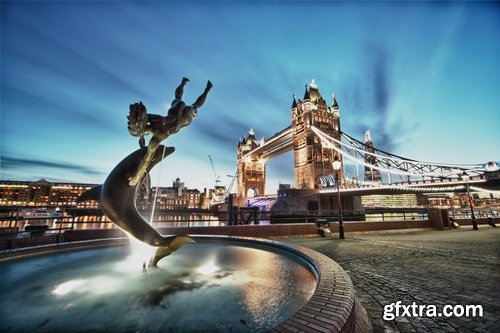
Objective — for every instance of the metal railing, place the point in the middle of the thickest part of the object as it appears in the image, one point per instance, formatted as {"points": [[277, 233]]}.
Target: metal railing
{"points": [[479, 212], [14, 231]]}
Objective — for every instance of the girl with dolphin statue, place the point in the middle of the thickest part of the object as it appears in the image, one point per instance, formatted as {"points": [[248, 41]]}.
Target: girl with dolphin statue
{"points": [[118, 193]]}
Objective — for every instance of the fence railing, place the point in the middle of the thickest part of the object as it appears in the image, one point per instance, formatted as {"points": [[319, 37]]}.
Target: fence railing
{"points": [[479, 212], [19, 227]]}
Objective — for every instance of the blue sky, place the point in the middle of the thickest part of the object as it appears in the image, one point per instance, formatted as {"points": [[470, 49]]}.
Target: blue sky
{"points": [[424, 77]]}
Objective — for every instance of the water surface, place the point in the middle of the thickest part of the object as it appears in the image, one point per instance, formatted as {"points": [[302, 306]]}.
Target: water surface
{"points": [[205, 286]]}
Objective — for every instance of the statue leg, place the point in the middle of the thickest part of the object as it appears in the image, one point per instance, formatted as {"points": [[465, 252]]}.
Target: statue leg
{"points": [[176, 108], [179, 91], [200, 100], [143, 166]]}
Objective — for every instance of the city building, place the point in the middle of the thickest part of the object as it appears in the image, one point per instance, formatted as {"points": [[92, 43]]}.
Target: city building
{"points": [[43, 193], [390, 200], [170, 198]]}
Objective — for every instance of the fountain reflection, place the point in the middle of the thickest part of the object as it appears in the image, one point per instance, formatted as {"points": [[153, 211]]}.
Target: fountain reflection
{"points": [[140, 253], [68, 286], [224, 287], [208, 268]]}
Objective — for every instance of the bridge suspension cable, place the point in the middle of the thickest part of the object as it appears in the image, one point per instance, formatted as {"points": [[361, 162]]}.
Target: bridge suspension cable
{"points": [[383, 161]]}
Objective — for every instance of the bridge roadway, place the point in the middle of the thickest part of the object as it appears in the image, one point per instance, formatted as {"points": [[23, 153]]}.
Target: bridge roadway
{"points": [[438, 185], [398, 188], [429, 267]]}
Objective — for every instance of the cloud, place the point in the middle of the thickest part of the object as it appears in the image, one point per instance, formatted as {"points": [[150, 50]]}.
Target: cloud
{"points": [[381, 95], [10, 162], [371, 102], [73, 62], [223, 131], [49, 108]]}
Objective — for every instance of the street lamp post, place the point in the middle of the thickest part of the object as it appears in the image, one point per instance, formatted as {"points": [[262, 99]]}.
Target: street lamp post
{"points": [[465, 177], [336, 166]]}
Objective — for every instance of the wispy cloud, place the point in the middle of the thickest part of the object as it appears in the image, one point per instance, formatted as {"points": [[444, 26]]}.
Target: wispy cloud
{"points": [[54, 109], [9, 162], [373, 95]]}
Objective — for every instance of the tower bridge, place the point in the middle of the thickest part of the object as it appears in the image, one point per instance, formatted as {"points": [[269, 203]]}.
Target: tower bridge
{"points": [[317, 141], [311, 159]]}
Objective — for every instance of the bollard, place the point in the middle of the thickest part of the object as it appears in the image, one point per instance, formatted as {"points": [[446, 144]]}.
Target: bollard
{"points": [[256, 219], [230, 209]]}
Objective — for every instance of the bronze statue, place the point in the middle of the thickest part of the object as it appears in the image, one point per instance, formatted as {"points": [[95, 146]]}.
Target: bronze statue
{"points": [[179, 115], [117, 201], [118, 192]]}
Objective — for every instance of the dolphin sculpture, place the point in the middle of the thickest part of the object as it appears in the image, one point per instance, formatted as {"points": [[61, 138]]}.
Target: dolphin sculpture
{"points": [[117, 200]]}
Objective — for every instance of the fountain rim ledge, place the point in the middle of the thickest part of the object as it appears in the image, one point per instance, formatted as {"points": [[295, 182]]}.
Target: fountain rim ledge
{"points": [[332, 307]]}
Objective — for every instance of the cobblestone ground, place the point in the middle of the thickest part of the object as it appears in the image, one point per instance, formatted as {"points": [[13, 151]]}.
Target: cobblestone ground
{"points": [[456, 267]]}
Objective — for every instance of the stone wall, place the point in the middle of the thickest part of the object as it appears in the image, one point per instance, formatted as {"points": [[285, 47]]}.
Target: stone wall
{"points": [[379, 226], [259, 231]]}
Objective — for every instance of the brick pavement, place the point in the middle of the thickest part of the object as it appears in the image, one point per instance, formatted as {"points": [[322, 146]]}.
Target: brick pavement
{"points": [[456, 267]]}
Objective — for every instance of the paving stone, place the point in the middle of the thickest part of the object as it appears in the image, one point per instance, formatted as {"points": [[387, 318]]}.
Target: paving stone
{"points": [[455, 267]]}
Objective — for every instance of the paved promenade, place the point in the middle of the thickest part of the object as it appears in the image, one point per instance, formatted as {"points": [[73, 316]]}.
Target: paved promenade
{"points": [[456, 267]]}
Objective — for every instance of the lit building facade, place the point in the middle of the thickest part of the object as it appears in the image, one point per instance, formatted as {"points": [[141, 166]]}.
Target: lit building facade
{"points": [[313, 161], [251, 170], [390, 200], [176, 197], [42, 193]]}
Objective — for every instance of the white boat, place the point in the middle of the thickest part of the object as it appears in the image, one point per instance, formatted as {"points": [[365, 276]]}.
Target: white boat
{"points": [[38, 213]]}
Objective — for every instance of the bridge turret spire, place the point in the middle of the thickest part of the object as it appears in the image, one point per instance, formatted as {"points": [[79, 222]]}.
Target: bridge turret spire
{"points": [[372, 175], [294, 103], [307, 96], [335, 105], [368, 136]]}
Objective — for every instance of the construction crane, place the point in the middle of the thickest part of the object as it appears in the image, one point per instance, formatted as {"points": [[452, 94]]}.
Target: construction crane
{"points": [[233, 178], [217, 181]]}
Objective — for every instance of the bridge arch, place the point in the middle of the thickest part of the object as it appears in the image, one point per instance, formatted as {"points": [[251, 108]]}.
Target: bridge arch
{"points": [[253, 192]]}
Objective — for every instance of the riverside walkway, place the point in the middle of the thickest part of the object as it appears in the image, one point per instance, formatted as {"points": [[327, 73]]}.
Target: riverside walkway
{"points": [[428, 267]]}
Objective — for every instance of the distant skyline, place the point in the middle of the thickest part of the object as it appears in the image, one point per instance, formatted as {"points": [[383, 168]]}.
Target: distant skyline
{"points": [[423, 77]]}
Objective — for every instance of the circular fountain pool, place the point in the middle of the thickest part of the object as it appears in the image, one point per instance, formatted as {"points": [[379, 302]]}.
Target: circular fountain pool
{"points": [[222, 286]]}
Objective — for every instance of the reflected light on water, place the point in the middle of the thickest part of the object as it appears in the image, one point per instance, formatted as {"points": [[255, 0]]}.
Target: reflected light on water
{"points": [[140, 253], [208, 268], [105, 284], [189, 292], [68, 286], [97, 285]]}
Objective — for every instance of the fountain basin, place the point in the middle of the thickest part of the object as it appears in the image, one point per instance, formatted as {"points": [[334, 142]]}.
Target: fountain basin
{"points": [[218, 284]]}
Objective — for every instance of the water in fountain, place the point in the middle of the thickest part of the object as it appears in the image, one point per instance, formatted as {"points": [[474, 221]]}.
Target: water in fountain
{"points": [[208, 286]]}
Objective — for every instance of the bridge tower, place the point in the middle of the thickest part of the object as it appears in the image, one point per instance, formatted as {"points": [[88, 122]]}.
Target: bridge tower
{"points": [[251, 170], [312, 161], [371, 175]]}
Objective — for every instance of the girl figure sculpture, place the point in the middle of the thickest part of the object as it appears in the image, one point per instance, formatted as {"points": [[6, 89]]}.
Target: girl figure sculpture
{"points": [[179, 115]]}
